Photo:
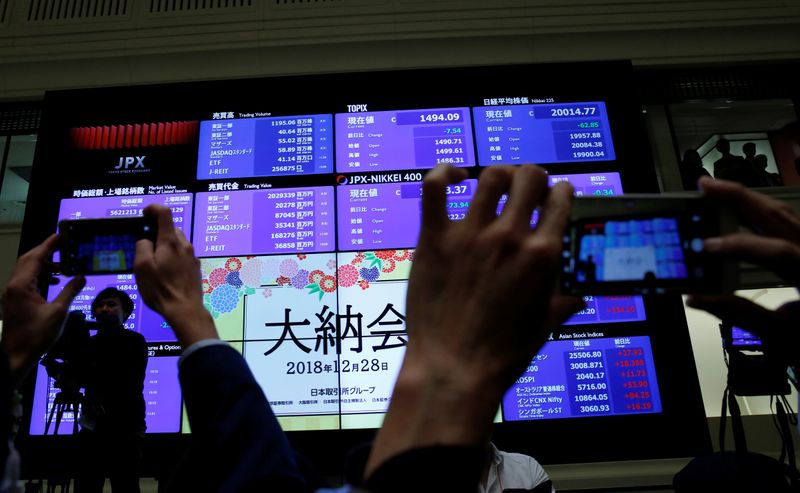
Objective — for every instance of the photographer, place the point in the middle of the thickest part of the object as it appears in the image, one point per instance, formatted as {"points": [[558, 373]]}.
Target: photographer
{"points": [[64, 361], [30, 327], [773, 243], [113, 412]]}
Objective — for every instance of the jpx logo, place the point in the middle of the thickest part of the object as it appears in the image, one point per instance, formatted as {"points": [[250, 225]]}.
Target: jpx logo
{"points": [[130, 162], [358, 179], [356, 108]]}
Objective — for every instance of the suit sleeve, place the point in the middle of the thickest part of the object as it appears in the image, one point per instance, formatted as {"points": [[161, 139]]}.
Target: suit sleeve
{"points": [[238, 445]]}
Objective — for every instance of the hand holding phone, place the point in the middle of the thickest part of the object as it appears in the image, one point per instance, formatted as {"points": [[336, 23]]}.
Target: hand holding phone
{"points": [[102, 246], [645, 244]]}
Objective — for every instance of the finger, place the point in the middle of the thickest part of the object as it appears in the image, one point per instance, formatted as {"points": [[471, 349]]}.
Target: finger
{"points": [[758, 211], [145, 253], [735, 310], [145, 249], [782, 256], [166, 227], [492, 184], [71, 289], [528, 186], [434, 196], [554, 214], [185, 245], [30, 264], [562, 307], [182, 240]]}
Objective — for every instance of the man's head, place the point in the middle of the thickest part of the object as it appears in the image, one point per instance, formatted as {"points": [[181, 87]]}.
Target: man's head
{"points": [[691, 156], [749, 149], [112, 306], [723, 146]]}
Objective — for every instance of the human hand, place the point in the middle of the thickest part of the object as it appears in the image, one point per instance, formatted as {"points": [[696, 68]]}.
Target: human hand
{"points": [[774, 242], [480, 305], [480, 296], [168, 275], [31, 325]]}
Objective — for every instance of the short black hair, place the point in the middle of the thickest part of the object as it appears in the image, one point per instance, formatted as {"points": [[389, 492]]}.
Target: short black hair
{"points": [[122, 296]]}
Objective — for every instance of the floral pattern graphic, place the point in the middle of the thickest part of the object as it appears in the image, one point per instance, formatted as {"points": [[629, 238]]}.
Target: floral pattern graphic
{"points": [[227, 280]]}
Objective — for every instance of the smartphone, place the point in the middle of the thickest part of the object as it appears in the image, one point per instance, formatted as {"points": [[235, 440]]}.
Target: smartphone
{"points": [[102, 246], [645, 244]]}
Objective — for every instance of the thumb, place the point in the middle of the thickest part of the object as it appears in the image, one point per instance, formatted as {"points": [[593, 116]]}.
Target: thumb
{"points": [[561, 308], [737, 311]]}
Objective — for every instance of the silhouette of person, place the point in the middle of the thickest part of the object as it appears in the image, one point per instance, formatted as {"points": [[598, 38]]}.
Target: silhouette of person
{"points": [[797, 160], [113, 413], [691, 168], [749, 150], [729, 166], [751, 175], [766, 178], [63, 361], [650, 282], [591, 269]]}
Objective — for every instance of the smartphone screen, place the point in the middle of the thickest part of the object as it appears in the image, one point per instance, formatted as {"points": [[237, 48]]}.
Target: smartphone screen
{"points": [[102, 246], [638, 245]]}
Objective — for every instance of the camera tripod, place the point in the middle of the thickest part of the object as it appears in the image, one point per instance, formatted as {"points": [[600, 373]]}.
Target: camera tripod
{"points": [[66, 400]]}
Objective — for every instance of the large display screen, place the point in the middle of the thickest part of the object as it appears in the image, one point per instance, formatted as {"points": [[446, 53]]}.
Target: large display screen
{"points": [[304, 208]]}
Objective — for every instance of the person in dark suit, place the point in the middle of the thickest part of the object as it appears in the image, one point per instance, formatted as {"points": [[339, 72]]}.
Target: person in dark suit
{"points": [[732, 167], [691, 168], [766, 178]]}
